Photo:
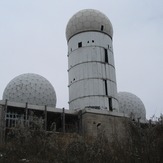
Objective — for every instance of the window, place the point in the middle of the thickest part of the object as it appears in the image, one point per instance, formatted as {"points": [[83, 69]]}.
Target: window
{"points": [[79, 44], [87, 41], [106, 88], [110, 104], [106, 55], [102, 27], [93, 41]]}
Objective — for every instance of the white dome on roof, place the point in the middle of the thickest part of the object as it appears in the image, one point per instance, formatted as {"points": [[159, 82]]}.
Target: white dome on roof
{"points": [[31, 88], [88, 20], [131, 105]]}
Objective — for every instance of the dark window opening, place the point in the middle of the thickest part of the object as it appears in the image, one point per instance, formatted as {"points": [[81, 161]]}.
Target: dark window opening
{"points": [[102, 27], [74, 79], [93, 41], [106, 55], [110, 104], [106, 88], [79, 44], [87, 41]]}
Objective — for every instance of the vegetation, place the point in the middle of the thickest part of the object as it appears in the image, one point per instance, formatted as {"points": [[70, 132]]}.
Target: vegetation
{"points": [[144, 144]]}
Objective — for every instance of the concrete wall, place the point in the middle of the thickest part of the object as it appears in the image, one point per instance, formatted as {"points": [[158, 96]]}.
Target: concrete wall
{"points": [[95, 123], [92, 79]]}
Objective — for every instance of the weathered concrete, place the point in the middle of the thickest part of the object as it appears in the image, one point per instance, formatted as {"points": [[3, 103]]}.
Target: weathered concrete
{"points": [[95, 122]]}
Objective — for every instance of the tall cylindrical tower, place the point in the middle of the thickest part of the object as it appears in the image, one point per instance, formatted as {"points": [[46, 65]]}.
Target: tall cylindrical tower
{"points": [[91, 70]]}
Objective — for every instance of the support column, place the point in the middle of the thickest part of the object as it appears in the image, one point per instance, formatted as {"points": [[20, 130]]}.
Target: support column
{"points": [[26, 114], [4, 120], [63, 120], [45, 118]]}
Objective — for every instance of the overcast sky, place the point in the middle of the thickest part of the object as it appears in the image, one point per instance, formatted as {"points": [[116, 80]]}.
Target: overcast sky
{"points": [[32, 40]]}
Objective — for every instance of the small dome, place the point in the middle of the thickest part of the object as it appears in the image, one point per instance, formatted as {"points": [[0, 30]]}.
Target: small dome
{"points": [[131, 105], [31, 88], [88, 20]]}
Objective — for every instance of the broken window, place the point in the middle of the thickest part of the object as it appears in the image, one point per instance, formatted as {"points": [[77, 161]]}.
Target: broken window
{"points": [[106, 88], [110, 104], [79, 44], [102, 27], [106, 55]]}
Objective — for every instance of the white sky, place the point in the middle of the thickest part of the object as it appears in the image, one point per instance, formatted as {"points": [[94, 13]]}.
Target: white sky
{"points": [[32, 40]]}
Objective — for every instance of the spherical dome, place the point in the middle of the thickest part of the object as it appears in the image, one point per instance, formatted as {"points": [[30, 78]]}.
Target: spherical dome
{"points": [[31, 88], [131, 105], [88, 20]]}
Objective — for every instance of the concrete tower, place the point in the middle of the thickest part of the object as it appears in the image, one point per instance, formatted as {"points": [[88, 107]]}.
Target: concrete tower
{"points": [[91, 70]]}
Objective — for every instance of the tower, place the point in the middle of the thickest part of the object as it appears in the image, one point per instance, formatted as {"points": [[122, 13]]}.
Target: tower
{"points": [[91, 69]]}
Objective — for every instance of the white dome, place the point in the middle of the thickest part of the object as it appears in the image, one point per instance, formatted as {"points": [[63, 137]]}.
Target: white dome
{"points": [[131, 105], [88, 20], [31, 88]]}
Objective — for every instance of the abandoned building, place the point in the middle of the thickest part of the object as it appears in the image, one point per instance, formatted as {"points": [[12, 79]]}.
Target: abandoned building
{"points": [[94, 103]]}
